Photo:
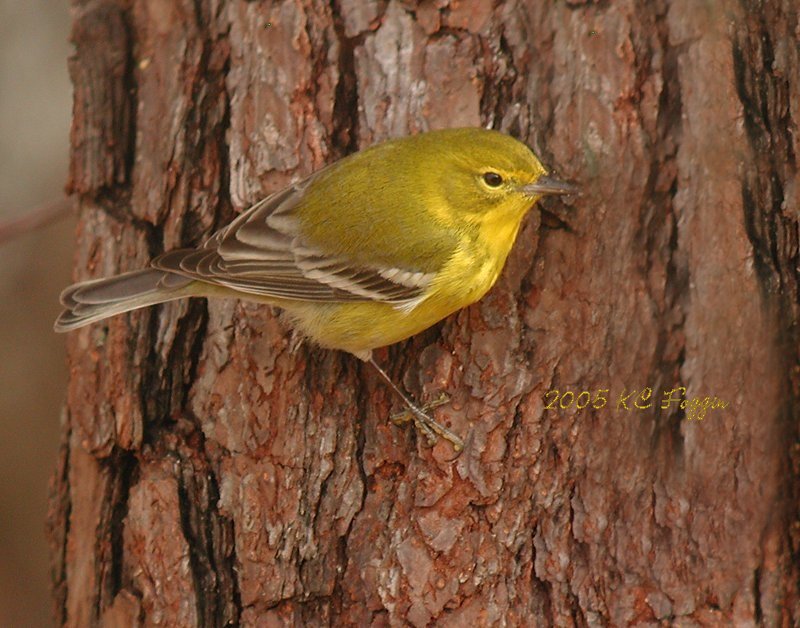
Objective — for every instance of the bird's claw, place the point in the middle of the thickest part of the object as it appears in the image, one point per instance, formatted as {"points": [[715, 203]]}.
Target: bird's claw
{"points": [[425, 424]]}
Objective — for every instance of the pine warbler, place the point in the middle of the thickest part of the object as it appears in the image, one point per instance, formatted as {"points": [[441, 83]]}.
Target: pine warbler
{"points": [[361, 254]]}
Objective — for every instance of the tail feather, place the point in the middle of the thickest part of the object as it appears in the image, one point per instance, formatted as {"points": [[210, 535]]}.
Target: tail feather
{"points": [[91, 301]]}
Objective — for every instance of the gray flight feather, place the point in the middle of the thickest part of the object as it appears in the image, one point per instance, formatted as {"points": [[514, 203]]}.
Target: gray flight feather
{"points": [[263, 253]]}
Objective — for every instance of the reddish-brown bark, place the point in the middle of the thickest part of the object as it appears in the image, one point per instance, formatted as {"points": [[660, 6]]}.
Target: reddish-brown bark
{"points": [[213, 474]]}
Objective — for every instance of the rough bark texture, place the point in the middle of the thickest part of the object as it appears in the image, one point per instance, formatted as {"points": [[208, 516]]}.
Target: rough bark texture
{"points": [[211, 474]]}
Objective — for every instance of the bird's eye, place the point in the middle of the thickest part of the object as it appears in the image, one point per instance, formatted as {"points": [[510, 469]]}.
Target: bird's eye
{"points": [[492, 179]]}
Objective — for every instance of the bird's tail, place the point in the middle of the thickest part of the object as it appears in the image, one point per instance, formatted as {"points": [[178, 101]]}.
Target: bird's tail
{"points": [[90, 301]]}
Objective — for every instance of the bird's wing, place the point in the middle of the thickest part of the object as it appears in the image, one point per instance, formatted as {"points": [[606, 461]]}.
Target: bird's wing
{"points": [[263, 252]]}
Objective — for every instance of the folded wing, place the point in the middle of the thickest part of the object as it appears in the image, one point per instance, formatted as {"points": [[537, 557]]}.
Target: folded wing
{"points": [[263, 252]]}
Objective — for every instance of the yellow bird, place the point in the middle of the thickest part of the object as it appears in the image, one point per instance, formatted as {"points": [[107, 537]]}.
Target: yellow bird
{"points": [[366, 252]]}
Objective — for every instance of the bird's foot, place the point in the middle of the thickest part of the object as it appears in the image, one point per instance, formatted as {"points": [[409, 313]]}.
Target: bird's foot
{"points": [[426, 425]]}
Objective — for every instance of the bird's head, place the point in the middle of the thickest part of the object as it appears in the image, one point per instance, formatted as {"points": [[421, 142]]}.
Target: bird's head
{"points": [[487, 173]]}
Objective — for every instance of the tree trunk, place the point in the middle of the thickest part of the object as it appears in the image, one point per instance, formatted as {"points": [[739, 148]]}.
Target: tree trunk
{"points": [[213, 473]]}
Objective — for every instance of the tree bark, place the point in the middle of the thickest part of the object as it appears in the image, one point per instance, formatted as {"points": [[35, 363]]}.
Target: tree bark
{"points": [[213, 473]]}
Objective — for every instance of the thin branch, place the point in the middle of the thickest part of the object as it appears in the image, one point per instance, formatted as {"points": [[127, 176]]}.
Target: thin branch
{"points": [[34, 219]]}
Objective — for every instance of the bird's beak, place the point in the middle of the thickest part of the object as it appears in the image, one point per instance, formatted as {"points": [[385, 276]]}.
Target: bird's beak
{"points": [[548, 185]]}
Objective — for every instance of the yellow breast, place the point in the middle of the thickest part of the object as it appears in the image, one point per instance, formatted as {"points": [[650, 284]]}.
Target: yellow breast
{"points": [[362, 326]]}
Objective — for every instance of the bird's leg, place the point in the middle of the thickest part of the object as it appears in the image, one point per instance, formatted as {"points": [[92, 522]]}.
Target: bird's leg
{"points": [[424, 423]]}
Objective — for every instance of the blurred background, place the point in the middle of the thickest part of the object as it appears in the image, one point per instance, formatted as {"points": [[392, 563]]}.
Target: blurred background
{"points": [[35, 109]]}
